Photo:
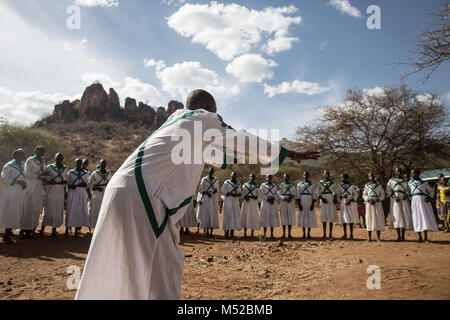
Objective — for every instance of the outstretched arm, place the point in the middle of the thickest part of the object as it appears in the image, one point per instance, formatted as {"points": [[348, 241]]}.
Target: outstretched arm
{"points": [[300, 156]]}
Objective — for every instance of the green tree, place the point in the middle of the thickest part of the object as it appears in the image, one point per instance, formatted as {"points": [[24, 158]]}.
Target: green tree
{"points": [[379, 129]]}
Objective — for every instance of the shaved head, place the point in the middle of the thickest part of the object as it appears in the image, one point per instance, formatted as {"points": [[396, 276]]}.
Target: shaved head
{"points": [[201, 99]]}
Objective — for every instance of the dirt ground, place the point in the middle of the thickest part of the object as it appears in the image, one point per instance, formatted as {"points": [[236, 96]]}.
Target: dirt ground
{"points": [[251, 269]]}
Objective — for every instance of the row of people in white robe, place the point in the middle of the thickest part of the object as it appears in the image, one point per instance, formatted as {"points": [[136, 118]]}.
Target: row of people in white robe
{"points": [[21, 208], [416, 214]]}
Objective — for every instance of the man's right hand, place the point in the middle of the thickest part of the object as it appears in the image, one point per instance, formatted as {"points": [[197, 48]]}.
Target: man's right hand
{"points": [[23, 184], [325, 201], [300, 206]]}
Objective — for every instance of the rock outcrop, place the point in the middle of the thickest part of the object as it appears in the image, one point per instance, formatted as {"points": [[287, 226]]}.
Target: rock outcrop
{"points": [[97, 105]]}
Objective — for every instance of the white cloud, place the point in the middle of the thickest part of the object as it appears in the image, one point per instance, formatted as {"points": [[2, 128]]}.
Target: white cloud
{"points": [[251, 68], [182, 78], [98, 3], [104, 79], [375, 92], [159, 65], [345, 7], [141, 91], [297, 86], [5, 92], [231, 30]]}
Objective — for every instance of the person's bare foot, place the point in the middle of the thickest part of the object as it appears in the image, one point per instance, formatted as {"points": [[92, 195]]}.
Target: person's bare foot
{"points": [[343, 237]]}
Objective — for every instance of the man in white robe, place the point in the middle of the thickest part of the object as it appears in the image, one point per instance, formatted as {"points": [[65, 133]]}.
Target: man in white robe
{"points": [[98, 181], [77, 199], [250, 218], [35, 173], [269, 207], [135, 251], [13, 195], [306, 197], [422, 212], [373, 195], [286, 192], [327, 192], [55, 189], [208, 203], [231, 189], [349, 213], [398, 191]]}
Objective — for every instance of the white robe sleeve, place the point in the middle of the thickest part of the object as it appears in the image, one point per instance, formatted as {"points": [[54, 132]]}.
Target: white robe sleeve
{"points": [[7, 175], [29, 165]]}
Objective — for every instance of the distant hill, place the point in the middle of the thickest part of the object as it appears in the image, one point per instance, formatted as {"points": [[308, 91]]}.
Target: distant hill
{"points": [[97, 126]]}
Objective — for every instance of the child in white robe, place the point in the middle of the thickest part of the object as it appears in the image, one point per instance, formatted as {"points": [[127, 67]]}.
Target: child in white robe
{"points": [[55, 195], [35, 173], [231, 189], [373, 195], [250, 218], [286, 192], [422, 212], [77, 199], [98, 181], [12, 195], [269, 208], [349, 212], [398, 191], [306, 195], [327, 192], [208, 203]]}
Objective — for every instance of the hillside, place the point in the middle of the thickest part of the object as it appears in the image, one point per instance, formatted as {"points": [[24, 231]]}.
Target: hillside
{"points": [[97, 126]]}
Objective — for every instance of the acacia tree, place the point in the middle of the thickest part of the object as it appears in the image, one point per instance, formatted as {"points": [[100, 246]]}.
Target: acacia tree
{"points": [[379, 129], [433, 47]]}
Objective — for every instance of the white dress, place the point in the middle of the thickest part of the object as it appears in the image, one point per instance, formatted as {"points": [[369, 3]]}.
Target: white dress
{"points": [[327, 190], [374, 213], [231, 209], [189, 220], [135, 252], [400, 211], [97, 180], [250, 218], [77, 200], [54, 197], [349, 213], [208, 207], [34, 194], [287, 209], [306, 192], [12, 195], [422, 212], [269, 212]]}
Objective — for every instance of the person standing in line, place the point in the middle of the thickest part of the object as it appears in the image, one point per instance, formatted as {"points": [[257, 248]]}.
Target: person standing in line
{"points": [[269, 208], [349, 211], [55, 195], [208, 203], [232, 191], [98, 181], [327, 192], [250, 218], [286, 192], [373, 195], [306, 195]]}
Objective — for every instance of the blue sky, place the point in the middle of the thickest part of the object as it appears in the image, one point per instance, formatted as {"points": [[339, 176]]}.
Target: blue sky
{"points": [[270, 64]]}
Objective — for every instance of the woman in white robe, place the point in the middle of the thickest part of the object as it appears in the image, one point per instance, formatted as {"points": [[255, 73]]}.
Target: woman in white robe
{"points": [[306, 195], [35, 172], [98, 181], [327, 191], [231, 189], [250, 218], [398, 191], [135, 252], [422, 212], [373, 195], [286, 193], [77, 199], [349, 212], [13, 195], [208, 204], [55, 195], [269, 207]]}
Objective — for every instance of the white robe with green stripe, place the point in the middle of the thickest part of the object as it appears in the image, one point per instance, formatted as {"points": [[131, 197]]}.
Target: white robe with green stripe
{"points": [[54, 197], [374, 212], [135, 251], [97, 180], [11, 196], [34, 194], [250, 218], [422, 212], [400, 215]]}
